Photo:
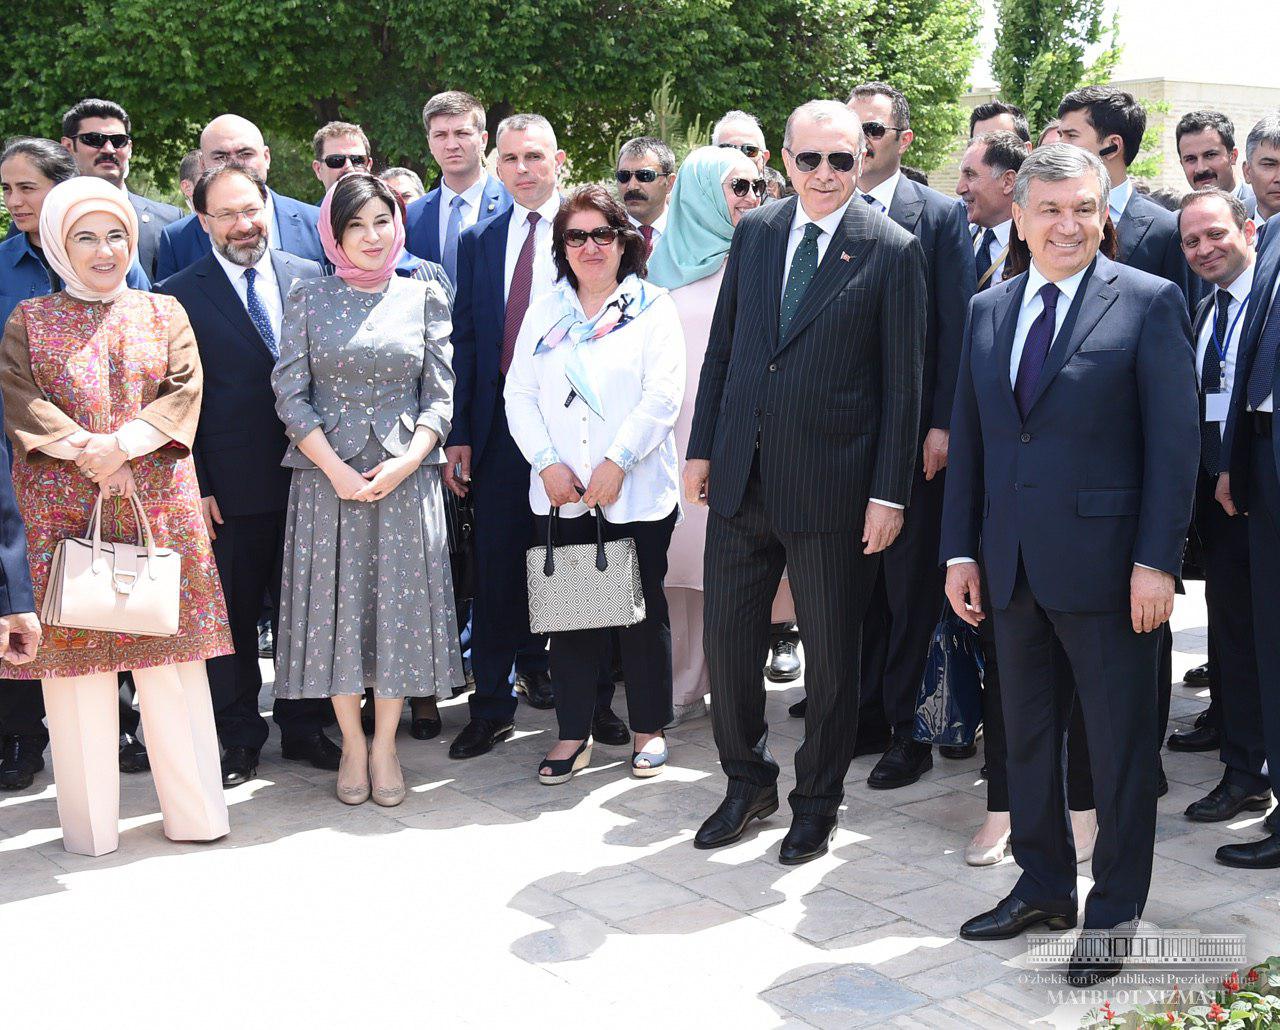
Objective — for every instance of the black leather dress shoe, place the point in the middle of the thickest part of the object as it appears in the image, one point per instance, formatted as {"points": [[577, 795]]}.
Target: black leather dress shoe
{"points": [[728, 822], [1225, 802], [904, 763], [266, 641], [1012, 917], [1261, 854], [607, 728], [537, 690], [784, 663], [21, 757], [808, 838], [1198, 738], [317, 749], [239, 765], [1093, 960], [424, 719], [797, 710], [957, 751], [133, 756], [1197, 677], [479, 736]]}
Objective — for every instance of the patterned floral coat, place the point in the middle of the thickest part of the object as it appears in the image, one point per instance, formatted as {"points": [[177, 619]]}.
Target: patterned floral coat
{"points": [[65, 365]]}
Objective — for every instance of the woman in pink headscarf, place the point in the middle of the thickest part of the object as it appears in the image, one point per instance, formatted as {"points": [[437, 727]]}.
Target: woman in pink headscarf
{"points": [[364, 388]]}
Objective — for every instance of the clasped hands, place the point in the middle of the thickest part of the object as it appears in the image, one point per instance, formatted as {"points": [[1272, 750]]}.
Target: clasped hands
{"points": [[104, 461], [373, 485], [564, 487], [20, 636]]}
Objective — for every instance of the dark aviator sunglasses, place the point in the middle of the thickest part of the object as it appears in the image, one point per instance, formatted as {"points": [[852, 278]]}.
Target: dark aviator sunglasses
{"points": [[336, 161], [840, 160], [98, 140], [750, 149], [641, 174]]}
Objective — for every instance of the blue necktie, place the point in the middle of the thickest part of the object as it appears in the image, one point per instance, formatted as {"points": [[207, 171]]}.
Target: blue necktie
{"points": [[982, 259], [1036, 349], [1258, 238], [449, 256], [258, 314], [874, 204], [1262, 378]]}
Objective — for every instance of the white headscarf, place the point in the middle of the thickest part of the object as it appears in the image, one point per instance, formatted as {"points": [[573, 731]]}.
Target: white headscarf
{"points": [[66, 204]]}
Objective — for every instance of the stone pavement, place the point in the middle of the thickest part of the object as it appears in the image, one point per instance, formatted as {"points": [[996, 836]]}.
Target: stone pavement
{"points": [[488, 900]]}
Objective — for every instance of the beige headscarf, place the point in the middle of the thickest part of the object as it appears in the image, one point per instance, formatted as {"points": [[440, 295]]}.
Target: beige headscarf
{"points": [[63, 206]]}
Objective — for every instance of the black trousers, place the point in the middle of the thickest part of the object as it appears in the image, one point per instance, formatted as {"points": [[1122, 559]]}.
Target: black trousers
{"points": [[831, 581], [22, 709], [249, 552], [1224, 542], [1114, 671], [904, 608], [578, 657], [1264, 572]]}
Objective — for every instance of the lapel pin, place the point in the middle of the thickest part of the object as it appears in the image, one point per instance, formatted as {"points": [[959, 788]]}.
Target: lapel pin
{"points": [[845, 257]]}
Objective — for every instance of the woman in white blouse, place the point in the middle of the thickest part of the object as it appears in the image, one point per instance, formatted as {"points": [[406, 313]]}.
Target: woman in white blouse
{"points": [[592, 397]]}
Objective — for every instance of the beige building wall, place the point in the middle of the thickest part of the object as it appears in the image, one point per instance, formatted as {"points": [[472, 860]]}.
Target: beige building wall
{"points": [[1244, 105]]}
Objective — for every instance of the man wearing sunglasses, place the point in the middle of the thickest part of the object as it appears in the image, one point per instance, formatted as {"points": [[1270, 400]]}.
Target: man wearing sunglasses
{"points": [[646, 174], [340, 147], [98, 135], [904, 609], [741, 131], [803, 446], [292, 224]]}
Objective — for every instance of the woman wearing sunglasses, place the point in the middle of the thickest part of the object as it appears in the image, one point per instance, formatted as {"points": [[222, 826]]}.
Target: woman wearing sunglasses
{"points": [[592, 397], [715, 188]]}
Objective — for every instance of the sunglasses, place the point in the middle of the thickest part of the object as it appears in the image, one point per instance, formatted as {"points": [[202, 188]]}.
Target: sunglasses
{"points": [[750, 149], [602, 234], [741, 187], [840, 160], [876, 130], [98, 140], [336, 161], [641, 174]]}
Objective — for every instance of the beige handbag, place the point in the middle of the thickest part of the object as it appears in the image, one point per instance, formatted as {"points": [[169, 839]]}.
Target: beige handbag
{"points": [[114, 587]]}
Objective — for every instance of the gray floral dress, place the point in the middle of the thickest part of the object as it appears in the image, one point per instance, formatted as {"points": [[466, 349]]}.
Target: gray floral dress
{"points": [[367, 597]]}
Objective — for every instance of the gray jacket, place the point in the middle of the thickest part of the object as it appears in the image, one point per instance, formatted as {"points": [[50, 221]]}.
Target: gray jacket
{"points": [[356, 363]]}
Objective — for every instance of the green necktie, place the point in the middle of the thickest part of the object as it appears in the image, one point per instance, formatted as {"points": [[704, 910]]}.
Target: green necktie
{"points": [[803, 266]]}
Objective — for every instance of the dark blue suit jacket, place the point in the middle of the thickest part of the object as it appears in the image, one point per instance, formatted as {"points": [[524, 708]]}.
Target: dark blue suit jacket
{"points": [[1149, 241], [942, 227], [1102, 473], [422, 218], [239, 441], [1235, 441], [153, 216], [479, 311], [185, 242]]}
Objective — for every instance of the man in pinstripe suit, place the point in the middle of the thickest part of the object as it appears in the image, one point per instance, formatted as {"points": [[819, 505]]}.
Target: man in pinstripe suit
{"points": [[803, 446]]}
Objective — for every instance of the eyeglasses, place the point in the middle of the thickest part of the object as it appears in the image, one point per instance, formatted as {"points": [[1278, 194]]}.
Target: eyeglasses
{"points": [[839, 160], [641, 174], [876, 130], [116, 240], [336, 161], [603, 235], [251, 214], [750, 149], [741, 187], [98, 140]]}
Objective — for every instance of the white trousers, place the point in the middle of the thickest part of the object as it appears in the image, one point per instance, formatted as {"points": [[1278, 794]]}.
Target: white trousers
{"points": [[182, 743]]}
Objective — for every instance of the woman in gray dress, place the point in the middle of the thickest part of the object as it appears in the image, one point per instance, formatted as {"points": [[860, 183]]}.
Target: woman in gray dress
{"points": [[365, 390]]}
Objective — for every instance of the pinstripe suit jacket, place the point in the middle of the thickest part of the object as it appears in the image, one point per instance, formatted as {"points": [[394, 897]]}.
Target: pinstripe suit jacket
{"points": [[834, 406]]}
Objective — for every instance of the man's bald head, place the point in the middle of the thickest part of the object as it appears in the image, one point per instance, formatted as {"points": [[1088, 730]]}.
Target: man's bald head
{"points": [[232, 138]]}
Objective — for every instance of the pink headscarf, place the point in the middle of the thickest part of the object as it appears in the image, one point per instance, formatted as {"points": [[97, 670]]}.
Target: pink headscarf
{"points": [[67, 203], [351, 273]]}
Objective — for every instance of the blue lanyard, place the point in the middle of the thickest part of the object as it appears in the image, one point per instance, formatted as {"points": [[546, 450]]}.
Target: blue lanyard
{"points": [[1221, 348]]}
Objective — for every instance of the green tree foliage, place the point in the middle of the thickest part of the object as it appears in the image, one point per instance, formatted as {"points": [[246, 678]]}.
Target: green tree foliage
{"points": [[1040, 52], [589, 65]]}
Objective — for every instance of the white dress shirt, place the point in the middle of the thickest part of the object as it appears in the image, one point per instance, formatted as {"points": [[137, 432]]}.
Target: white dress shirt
{"points": [[1118, 200], [1001, 247], [883, 194], [471, 198], [544, 269], [1239, 291], [267, 288], [639, 371], [659, 225]]}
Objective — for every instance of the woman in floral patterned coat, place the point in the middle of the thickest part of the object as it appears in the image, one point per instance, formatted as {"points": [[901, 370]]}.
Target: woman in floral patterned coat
{"points": [[102, 390]]}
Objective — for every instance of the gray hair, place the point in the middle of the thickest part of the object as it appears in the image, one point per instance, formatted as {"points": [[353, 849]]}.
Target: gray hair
{"points": [[1055, 163], [734, 116], [399, 172], [636, 149], [1266, 131], [823, 112], [521, 123], [1235, 205]]}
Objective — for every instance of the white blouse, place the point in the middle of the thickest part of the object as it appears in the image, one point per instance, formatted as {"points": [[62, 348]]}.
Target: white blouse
{"points": [[638, 371]]}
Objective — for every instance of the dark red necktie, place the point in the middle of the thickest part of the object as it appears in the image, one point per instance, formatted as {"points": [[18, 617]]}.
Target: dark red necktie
{"points": [[647, 232], [518, 295]]}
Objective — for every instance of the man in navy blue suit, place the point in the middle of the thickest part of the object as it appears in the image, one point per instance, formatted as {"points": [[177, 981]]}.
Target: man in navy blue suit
{"points": [[454, 122], [904, 605], [291, 223], [98, 135], [503, 265], [1074, 448], [237, 452]]}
